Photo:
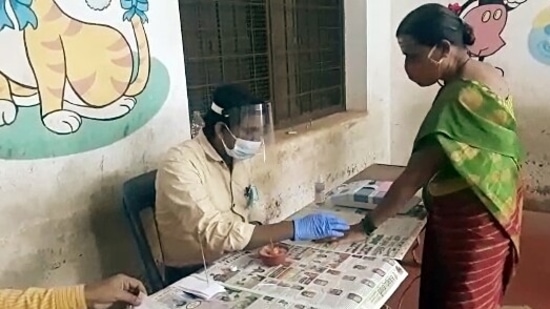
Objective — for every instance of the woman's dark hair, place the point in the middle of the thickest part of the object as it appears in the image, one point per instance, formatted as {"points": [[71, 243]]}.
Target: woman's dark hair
{"points": [[228, 96], [431, 23]]}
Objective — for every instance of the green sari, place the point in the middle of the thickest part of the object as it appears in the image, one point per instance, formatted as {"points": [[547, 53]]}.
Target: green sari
{"points": [[477, 131]]}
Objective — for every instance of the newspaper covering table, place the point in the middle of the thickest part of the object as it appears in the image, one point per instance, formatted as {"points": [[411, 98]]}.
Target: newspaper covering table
{"points": [[393, 239], [316, 276], [312, 278]]}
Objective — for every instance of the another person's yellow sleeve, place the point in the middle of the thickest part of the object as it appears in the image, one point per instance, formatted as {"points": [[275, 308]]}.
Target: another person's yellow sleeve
{"points": [[35, 298]]}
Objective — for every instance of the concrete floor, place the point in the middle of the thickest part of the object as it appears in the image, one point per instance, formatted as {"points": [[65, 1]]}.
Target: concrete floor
{"points": [[531, 285]]}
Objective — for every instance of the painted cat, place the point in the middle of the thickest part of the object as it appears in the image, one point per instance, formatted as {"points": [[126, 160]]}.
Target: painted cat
{"points": [[64, 54]]}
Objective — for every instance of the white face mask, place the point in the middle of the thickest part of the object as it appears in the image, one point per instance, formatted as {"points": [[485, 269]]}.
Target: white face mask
{"points": [[243, 149]]}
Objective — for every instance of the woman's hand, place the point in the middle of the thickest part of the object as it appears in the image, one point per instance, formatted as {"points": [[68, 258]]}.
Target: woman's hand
{"points": [[354, 234]]}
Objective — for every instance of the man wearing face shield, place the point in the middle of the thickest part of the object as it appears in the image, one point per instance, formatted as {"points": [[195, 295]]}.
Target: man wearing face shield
{"points": [[204, 190]]}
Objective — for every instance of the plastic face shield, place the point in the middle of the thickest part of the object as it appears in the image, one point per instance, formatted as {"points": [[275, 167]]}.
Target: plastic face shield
{"points": [[252, 122]]}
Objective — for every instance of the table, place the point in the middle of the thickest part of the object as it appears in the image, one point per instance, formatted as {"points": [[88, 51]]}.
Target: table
{"points": [[313, 278]]}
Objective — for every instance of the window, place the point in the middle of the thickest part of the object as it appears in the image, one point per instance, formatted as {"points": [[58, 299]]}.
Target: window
{"points": [[288, 51]]}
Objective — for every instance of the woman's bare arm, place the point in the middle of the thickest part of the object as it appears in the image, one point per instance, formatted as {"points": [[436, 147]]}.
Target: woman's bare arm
{"points": [[422, 166]]}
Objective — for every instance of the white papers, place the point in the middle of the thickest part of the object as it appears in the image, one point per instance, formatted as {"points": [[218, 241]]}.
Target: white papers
{"points": [[199, 286], [173, 297]]}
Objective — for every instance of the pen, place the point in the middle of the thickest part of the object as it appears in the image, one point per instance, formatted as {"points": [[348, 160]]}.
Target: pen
{"points": [[204, 261]]}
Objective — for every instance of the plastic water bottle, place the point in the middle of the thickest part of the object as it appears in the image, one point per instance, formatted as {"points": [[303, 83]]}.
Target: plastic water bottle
{"points": [[197, 123], [320, 192]]}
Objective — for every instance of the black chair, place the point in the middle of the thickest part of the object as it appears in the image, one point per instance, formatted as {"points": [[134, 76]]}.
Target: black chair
{"points": [[138, 194]]}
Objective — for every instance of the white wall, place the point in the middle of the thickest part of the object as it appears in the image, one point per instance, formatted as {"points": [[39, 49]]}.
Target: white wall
{"points": [[61, 217], [528, 79]]}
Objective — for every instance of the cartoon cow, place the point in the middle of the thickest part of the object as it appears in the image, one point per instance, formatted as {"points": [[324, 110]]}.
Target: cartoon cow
{"points": [[488, 19]]}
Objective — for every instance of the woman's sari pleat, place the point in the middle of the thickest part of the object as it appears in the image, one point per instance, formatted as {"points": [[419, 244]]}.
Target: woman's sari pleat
{"points": [[468, 257]]}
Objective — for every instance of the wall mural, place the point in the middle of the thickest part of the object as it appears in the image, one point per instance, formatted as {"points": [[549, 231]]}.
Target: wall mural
{"points": [[488, 19], [539, 37], [78, 75]]}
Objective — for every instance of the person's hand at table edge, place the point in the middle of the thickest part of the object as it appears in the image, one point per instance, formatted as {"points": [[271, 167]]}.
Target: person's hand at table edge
{"points": [[319, 226], [357, 233], [117, 289], [354, 234]]}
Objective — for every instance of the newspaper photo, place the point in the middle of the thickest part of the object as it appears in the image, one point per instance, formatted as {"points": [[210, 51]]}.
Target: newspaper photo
{"points": [[236, 299], [313, 278], [393, 239]]}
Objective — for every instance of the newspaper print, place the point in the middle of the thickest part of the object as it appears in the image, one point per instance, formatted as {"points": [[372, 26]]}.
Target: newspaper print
{"points": [[235, 299], [393, 239], [313, 277], [173, 298]]}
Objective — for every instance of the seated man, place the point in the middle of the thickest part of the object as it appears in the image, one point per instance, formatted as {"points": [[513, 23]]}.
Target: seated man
{"points": [[205, 195], [117, 289]]}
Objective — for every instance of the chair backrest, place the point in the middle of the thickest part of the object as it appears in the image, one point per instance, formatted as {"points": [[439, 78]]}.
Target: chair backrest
{"points": [[138, 194]]}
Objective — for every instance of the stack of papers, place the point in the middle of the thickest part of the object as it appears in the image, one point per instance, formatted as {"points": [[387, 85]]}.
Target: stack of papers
{"points": [[198, 286]]}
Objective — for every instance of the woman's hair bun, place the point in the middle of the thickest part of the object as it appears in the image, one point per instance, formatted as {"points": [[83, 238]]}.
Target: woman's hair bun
{"points": [[468, 36]]}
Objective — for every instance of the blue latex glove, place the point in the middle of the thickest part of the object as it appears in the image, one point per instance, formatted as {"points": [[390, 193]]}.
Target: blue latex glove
{"points": [[319, 226]]}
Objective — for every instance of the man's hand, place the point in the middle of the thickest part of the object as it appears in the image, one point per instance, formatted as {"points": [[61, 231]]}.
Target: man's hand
{"points": [[117, 289], [319, 226]]}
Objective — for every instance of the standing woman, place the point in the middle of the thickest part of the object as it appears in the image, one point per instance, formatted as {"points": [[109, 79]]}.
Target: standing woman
{"points": [[466, 156]]}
